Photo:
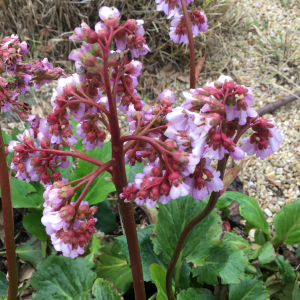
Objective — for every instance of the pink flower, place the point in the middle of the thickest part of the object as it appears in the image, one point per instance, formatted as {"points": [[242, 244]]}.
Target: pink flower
{"points": [[178, 31], [178, 187], [169, 7]]}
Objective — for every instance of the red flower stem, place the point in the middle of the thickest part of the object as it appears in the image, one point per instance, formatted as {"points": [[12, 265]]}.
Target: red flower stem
{"points": [[8, 225], [188, 24], [152, 142], [67, 153], [187, 229], [120, 181], [91, 179]]}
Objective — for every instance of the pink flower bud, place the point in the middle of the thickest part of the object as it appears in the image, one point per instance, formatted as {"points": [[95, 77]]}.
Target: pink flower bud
{"points": [[52, 118], [101, 135], [45, 178], [69, 90], [175, 178], [56, 176]]}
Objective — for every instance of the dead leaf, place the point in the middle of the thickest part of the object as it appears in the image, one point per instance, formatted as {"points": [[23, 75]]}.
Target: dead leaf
{"points": [[26, 272]]}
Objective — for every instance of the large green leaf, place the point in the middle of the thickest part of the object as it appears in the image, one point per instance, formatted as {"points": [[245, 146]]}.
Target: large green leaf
{"points": [[266, 253], [114, 267], [23, 194], [62, 278], [249, 209], [32, 223], [31, 251], [100, 188], [227, 262], [103, 290], [158, 275], [251, 251], [146, 249], [3, 286], [106, 220], [287, 223], [287, 273], [248, 289], [190, 294], [172, 219]]}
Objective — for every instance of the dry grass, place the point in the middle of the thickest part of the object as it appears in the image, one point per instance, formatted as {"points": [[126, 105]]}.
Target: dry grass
{"points": [[46, 26]]}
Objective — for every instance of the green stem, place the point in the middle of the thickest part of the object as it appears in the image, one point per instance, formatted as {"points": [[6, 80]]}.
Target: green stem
{"points": [[8, 225], [191, 44], [187, 229]]}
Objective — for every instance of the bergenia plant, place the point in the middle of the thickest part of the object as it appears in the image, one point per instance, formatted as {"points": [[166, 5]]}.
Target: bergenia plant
{"points": [[178, 143]]}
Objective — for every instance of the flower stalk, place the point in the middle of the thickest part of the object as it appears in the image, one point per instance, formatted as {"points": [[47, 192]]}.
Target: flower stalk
{"points": [[8, 222]]}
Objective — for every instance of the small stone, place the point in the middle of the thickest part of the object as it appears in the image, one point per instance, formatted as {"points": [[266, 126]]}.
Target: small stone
{"points": [[268, 212], [281, 203], [251, 235], [279, 171]]}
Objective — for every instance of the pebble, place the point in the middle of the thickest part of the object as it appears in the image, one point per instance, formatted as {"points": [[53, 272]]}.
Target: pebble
{"points": [[268, 212]]}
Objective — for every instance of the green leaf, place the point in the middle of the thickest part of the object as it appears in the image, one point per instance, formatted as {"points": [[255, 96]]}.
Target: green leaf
{"points": [[287, 273], [3, 286], [6, 139], [100, 188], [287, 223], [94, 248], [23, 194], [266, 253], [259, 237], [227, 262], [62, 278], [191, 293], [249, 209], [158, 275], [103, 290], [32, 223], [171, 220], [106, 219], [14, 133], [31, 251], [137, 168], [251, 251], [248, 289], [146, 249], [114, 267]]}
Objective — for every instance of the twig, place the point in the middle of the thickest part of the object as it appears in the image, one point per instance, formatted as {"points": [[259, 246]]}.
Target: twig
{"points": [[273, 106]]}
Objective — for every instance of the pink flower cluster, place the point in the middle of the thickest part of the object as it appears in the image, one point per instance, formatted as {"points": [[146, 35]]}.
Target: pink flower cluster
{"points": [[206, 126], [69, 228], [178, 30], [20, 74]]}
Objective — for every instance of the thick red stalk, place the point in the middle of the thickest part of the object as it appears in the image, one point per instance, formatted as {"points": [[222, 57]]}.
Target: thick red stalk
{"points": [[120, 181], [8, 225], [187, 229], [191, 44]]}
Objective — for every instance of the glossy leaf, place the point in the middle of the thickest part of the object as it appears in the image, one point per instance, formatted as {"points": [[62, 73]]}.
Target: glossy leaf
{"points": [[248, 208], [158, 275], [287, 273], [31, 251], [227, 262], [32, 223], [248, 289], [114, 267], [137, 168], [190, 294], [146, 249], [100, 188], [266, 253], [6, 139], [287, 223], [104, 290], [171, 220], [259, 237], [62, 278], [106, 219], [3, 286]]}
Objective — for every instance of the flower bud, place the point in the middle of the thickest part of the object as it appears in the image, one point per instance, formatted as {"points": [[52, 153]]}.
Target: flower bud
{"points": [[45, 178], [56, 176], [52, 118], [69, 90], [101, 135]]}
